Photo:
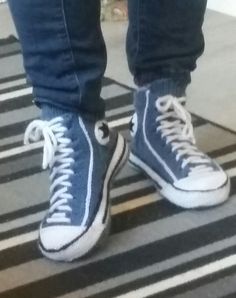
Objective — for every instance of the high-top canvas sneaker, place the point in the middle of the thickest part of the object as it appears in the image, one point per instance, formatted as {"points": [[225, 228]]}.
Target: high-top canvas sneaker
{"points": [[164, 147], [83, 157]]}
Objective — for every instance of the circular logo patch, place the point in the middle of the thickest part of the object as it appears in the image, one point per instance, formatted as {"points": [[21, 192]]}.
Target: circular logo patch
{"points": [[102, 132], [133, 125]]}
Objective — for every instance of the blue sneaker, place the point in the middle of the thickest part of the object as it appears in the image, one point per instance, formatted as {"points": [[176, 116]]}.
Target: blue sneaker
{"points": [[164, 148], [83, 157]]}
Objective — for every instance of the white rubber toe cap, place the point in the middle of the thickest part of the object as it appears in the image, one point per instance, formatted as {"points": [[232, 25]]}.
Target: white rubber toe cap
{"points": [[203, 182], [55, 238]]}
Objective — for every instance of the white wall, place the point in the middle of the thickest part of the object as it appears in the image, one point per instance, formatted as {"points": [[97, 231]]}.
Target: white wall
{"points": [[224, 6]]}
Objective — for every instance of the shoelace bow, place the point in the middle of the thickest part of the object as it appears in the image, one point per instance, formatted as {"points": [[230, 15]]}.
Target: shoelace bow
{"points": [[175, 124], [56, 156]]}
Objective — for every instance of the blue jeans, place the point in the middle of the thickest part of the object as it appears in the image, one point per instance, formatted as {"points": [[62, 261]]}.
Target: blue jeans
{"points": [[65, 54]]}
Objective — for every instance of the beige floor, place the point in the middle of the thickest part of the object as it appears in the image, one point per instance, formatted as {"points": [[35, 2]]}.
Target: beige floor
{"points": [[213, 91]]}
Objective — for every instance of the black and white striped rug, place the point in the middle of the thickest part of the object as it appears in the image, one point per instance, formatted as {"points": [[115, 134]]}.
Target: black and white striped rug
{"points": [[155, 249]]}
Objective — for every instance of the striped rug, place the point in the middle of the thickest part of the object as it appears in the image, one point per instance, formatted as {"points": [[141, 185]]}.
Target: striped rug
{"points": [[155, 249]]}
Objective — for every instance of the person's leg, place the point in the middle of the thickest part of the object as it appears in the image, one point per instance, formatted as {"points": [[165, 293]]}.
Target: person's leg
{"points": [[65, 58], [64, 52], [164, 41]]}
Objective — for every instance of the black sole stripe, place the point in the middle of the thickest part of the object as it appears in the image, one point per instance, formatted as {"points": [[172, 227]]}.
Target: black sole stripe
{"points": [[63, 283], [121, 163]]}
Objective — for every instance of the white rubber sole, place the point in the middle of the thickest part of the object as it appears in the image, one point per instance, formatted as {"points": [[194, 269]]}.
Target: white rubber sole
{"points": [[99, 228], [181, 198]]}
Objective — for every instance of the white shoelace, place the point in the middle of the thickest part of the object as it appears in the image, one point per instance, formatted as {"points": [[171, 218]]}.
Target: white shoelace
{"points": [[56, 156], [175, 124]]}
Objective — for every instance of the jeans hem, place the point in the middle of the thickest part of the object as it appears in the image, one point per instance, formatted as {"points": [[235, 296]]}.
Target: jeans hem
{"points": [[70, 108]]}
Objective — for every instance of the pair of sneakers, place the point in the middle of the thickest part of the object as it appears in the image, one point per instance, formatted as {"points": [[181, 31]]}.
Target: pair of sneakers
{"points": [[83, 157]]}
